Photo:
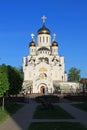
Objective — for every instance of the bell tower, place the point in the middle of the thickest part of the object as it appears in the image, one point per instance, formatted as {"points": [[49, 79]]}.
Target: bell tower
{"points": [[43, 35], [32, 46]]}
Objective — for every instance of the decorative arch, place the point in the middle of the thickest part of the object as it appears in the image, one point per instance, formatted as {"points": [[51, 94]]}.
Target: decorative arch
{"points": [[42, 88], [43, 75]]}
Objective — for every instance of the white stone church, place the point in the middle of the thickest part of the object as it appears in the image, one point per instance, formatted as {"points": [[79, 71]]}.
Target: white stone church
{"points": [[44, 69]]}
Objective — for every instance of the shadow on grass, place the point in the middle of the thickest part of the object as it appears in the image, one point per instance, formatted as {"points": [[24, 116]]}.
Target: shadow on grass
{"points": [[56, 112], [10, 109], [57, 126], [82, 106], [19, 120], [12, 105]]}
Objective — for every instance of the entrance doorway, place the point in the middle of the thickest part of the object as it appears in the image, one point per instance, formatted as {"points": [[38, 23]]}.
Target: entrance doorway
{"points": [[42, 89]]}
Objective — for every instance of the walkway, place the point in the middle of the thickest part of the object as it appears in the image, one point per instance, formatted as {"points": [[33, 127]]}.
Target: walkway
{"points": [[80, 115], [22, 119]]}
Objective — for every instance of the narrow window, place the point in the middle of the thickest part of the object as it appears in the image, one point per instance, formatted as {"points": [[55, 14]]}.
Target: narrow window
{"points": [[40, 39], [43, 39], [62, 78], [46, 39]]}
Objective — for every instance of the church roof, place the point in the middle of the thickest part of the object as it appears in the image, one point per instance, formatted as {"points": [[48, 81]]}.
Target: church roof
{"points": [[43, 48], [43, 30], [54, 43], [32, 43]]}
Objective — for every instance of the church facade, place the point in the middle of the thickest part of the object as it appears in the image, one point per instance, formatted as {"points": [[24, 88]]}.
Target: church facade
{"points": [[44, 68]]}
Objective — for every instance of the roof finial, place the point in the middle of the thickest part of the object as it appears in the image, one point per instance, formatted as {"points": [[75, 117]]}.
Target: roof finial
{"points": [[32, 36], [54, 37], [43, 18]]}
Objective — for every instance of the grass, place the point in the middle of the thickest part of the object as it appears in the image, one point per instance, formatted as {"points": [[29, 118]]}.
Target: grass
{"points": [[56, 113], [82, 106], [56, 126], [10, 108], [3, 115]]}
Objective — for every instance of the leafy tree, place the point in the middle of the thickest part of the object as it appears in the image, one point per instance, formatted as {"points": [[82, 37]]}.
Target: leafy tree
{"points": [[21, 71], [15, 79], [84, 82], [74, 75], [4, 84]]}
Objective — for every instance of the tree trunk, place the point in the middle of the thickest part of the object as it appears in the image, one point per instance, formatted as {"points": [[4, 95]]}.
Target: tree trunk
{"points": [[3, 103]]}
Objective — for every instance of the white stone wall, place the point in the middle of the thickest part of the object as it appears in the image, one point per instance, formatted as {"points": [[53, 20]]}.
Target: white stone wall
{"points": [[32, 51], [55, 50], [54, 70], [68, 87], [43, 67]]}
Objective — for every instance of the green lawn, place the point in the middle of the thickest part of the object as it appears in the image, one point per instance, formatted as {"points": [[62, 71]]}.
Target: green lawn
{"points": [[10, 108], [3, 115], [56, 126], [55, 113], [82, 106]]}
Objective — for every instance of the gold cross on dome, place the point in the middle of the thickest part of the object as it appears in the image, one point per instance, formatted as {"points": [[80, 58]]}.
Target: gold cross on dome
{"points": [[54, 36], [43, 18], [32, 36]]}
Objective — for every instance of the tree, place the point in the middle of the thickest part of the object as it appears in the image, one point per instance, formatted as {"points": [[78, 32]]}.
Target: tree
{"points": [[74, 75], [4, 84], [84, 82], [20, 69], [15, 79]]}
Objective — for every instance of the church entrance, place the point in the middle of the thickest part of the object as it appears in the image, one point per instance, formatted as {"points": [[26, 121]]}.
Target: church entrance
{"points": [[42, 89]]}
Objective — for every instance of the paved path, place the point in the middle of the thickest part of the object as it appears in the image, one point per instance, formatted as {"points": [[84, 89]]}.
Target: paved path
{"points": [[80, 115], [22, 119]]}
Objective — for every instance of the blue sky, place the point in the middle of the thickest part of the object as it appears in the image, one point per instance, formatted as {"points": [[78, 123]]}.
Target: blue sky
{"points": [[66, 18]]}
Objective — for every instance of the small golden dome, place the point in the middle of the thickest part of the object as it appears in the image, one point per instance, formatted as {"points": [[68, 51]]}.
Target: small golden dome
{"points": [[54, 43], [32, 44], [43, 30]]}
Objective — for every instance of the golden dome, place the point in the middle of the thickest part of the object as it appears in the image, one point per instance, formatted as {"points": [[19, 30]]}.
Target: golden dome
{"points": [[32, 44], [54, 43], [43, 30]]}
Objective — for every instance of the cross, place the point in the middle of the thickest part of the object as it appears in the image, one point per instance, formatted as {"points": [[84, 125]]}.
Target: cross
{"points": [[32, 36], [43, 18], [54, 36]]}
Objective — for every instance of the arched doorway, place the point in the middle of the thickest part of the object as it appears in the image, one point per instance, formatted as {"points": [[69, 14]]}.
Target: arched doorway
{"points": [[42, 89]]}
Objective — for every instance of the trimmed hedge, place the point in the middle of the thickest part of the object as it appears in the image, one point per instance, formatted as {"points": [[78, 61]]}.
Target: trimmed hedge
{"points": [[76, 98], [50, 98]]}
